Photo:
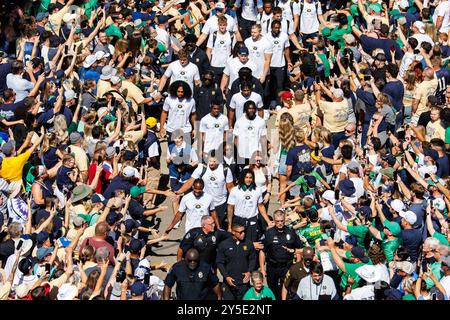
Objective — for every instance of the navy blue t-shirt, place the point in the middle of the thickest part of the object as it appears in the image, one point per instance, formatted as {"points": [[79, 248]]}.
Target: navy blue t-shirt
{"points": [[412, 239], [369, 44], [369, 101], [7, 110], [443, 168], [395, 90], [116, 184], [50, 158], [5, 68], [298, 157], [443, 77], [328, 152], [136, 210]]}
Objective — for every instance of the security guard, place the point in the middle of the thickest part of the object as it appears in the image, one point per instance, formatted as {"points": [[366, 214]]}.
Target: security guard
{"points": [[193, 277], [280, 243], [296, 273], [204, 239], [236, 259]]}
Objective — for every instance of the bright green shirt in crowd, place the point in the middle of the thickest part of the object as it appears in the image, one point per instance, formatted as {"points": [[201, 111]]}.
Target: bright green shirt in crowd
{"points": [[337, 33], [350, 270], [311, 233], [442, 239], [89, 7], [389, 247], [408, 296], [359, 232], [113, 30], [44, 6], [265, 293], [436, 269]]}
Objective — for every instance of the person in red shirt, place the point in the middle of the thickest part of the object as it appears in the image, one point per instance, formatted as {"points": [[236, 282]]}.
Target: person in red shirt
{"points": [[99, 240]]}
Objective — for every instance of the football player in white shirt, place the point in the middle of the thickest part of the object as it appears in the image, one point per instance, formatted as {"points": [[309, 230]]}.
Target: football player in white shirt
{"points": [[238, 101], [286, 26], [212, 128], [183, 70], [280, 55], [244, 203], [178, 109], [291, 11], [195, 205], [264, 18], [231, 71], [249, 134], [260, 51], [219, 47], [247, 17], [211, 24]]}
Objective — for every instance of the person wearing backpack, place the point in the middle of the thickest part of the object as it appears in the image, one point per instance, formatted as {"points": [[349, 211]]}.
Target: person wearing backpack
{"points": [[218, 181], [247, 11], [218, 48], [310, 17]]}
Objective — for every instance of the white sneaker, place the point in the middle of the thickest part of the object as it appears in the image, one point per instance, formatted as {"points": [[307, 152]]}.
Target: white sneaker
{"points": [[177, 225], [266, 115]]}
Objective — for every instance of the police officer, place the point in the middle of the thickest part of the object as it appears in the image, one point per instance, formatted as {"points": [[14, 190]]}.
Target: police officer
{"points": [[280, 243], [194, 279], [236, 259], [204, 239]]}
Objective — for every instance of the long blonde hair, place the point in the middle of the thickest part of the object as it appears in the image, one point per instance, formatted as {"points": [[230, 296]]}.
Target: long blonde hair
{"points": [[286, 131], [60, 126]]}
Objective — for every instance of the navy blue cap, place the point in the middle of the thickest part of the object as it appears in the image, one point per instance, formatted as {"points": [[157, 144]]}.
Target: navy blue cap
{"points": [[131, 224], [393, 293], [433, 154], [138, 289], [359, 253], [113, 217], [42, 237], [243, 51], [307, 167], [310, 180], [135, 245], [163, 19], [98, 198], [365, 211], [129, 72], [347, 187]]}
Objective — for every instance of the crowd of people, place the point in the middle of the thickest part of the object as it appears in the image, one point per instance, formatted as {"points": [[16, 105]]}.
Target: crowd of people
{"points": [[302, 147]]}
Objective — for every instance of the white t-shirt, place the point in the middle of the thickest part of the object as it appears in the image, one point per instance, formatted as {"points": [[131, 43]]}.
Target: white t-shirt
{"points": [[212, 24], [363, 293], [289, 7], [249, 10], [249, 133], [238, 100], [213, 128], [188, 73], [384, 272], [278, 45], [359, 187], [420, 37], [21, 87], [234, 65], [443, 10], [162, 36], [445, 281], [309, 21], [179, 112], [264, 20], [221, 48], [245, 202], [215, 182], [195, 208], [407, 59], [257, 51]]}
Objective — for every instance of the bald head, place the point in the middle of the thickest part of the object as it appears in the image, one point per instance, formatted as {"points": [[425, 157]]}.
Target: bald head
{"points": [[192, 254], [308, 253]]}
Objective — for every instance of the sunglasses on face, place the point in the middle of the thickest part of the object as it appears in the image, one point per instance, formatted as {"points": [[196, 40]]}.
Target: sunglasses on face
{"points": [[239, 232]]}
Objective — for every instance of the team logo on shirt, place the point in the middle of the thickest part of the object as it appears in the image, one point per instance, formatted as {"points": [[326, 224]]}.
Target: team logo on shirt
{"points": [[308, 10], [216, 125], [247, 197], [212, 178], [213, 239], [180, 106], [222, 42], [288, 237], [255, 48], [244, 248], [200, 274], [198, 206], [250, 128], [182, 73], [276, 42]]}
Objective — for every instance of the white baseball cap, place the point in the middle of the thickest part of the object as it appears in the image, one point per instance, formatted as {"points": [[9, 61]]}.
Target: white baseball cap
{"points": [[89, 61], [115, 80], [369, 273], [128, 172], [329, 196], [409, 216], [69, 95], [398, 205], [101, 54]]}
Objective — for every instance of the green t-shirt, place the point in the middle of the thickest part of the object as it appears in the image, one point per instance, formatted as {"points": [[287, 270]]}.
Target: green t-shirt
{"points": [[265, 293], [311, 233], [390, 247], [337, 33], [442, 239], [359, 232], [326, 64], [436, 269], [89, 7], [350, 270], [44, 6], [447, 135], [408, 296], [113, 30]]}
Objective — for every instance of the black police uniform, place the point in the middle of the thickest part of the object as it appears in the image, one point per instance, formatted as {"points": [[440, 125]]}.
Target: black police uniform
{"points": [[278, 259], [205, 243], [191, 284], [234, 258], [200, 59]]}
